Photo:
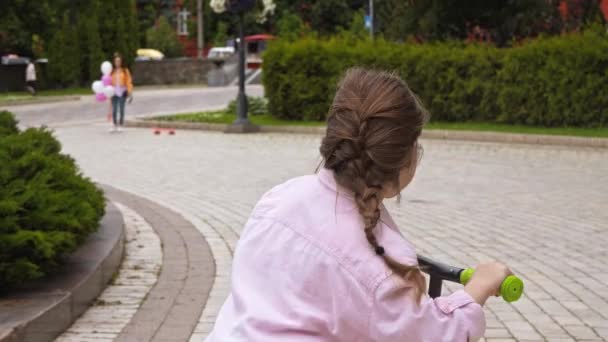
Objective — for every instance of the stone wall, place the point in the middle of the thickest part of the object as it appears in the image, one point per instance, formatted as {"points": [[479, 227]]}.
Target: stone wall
{"points": [[171, 71]]}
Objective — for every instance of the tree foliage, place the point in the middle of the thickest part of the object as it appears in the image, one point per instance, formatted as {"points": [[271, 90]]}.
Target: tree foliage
{"points": [[329, 16], [64, 54], [76, 34], [498, 21], [21, 19], [163, 38]]}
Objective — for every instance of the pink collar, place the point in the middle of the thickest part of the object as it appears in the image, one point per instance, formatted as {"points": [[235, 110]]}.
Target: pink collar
{"points": [[326, 177]]}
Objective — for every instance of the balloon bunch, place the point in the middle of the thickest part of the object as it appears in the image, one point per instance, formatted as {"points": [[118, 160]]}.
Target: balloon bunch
{"points": [[103, 89]]}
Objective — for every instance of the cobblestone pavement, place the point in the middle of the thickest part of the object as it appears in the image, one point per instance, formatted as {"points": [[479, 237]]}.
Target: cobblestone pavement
{"points": [[120, 300], [542, 210], [147, 102]]}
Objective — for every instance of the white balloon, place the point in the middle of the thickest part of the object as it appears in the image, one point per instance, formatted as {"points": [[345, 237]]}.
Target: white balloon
{"points": [[108, 91], [97, 87], [106, 68]]}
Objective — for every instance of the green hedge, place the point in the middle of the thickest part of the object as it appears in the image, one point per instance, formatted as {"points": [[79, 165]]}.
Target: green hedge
{"points": [[558, 81], [47, 208]]}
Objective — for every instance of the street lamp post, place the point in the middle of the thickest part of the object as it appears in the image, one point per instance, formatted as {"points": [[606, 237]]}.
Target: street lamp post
{"points": [[199, 29], [242, 123], [371, 19]]}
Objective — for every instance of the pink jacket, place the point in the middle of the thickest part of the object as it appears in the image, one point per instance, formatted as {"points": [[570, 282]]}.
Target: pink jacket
{"points": [[303, 271]]}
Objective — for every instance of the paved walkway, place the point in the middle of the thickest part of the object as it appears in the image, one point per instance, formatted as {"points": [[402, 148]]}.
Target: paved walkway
{"points": [[540, 209], [147, 102], [119, 302]]}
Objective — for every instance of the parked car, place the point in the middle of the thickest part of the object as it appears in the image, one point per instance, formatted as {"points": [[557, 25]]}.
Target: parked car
{"points": [[149, 55], [221, 52], [14, 60]]}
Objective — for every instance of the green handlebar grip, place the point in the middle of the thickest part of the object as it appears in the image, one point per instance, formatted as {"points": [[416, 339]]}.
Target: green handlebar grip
{"points": [[510, 289]]}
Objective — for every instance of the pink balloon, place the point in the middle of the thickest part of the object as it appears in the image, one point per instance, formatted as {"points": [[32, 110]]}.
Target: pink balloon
{"points": [[107, 80], [100, 97]]}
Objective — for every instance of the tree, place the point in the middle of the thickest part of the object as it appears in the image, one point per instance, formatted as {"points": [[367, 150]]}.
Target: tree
{"points": [[221, 34], [146, 18], [95, 55], [122, 42], [389, 19], [20, 20], [163, 38], [456, 19], [64, 54], [90, 41], [356, 30], [132, 32], [290, 26], [328, 16]]}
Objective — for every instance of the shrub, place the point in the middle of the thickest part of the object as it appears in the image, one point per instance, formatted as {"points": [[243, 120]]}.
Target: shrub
{"points": [[8, 124], [547, 82], [47, 208], [256, 106]]}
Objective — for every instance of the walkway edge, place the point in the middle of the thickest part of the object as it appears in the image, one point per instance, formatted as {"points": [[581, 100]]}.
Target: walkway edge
{"points": [[39, 100], [50, 306], [174, 305], [509, 138]]}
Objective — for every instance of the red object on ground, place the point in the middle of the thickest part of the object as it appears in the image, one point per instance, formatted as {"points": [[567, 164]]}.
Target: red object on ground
{"points": [[159, 130]]}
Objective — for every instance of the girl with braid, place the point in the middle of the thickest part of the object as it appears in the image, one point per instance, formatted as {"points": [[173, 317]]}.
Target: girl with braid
{"points": [[320, 258]]}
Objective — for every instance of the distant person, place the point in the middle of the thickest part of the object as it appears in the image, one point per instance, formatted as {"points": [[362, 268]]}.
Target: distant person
{"points": [[123, 88], [30, 77]]}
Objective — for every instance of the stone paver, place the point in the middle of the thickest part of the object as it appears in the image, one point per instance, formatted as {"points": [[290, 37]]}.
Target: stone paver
{"points": [[540, 209], [118, 303], [172, 308]]}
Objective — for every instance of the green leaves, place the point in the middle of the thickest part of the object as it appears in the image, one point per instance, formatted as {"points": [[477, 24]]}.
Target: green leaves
{"points": [[163, 38], [64, 54], [46, 206], [8, 124], [555, 81]]}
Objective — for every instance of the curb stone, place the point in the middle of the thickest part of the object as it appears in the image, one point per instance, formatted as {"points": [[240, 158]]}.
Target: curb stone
{"points": [[119, 301], [39, 100], [508, 138], [172, 308]]}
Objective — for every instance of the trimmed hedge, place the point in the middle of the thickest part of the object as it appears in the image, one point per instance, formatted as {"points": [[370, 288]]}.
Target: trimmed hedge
{"points": [[47, 208], [559, 81]]}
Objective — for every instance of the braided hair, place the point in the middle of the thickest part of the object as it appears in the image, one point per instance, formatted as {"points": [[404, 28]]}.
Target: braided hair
{"points": [[372, 131]]}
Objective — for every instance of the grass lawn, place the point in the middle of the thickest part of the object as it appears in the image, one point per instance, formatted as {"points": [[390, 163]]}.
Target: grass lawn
{"points": [[18, 96], [224, 117]]}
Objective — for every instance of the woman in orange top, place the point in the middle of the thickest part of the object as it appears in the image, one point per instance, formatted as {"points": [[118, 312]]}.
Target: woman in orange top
{"points": [[123, 88]]}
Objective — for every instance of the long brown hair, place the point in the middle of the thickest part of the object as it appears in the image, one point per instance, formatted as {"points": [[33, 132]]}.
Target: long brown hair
{"points": [[373, 127], [122, 61]]}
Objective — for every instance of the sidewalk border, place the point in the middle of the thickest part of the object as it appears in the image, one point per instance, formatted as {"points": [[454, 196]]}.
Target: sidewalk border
{"points": [[39, 100], [173, 307], [438, 134], [48, 307]]}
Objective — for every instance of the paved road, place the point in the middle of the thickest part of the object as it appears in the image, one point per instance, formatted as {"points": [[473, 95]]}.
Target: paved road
{"points": [[540, 209], [145, 103]]}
